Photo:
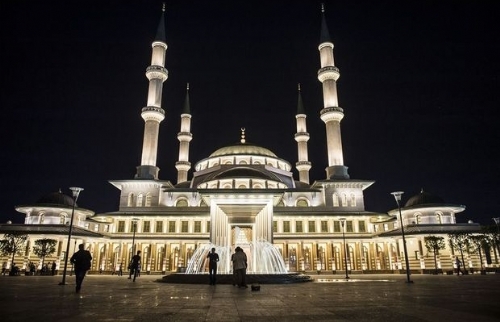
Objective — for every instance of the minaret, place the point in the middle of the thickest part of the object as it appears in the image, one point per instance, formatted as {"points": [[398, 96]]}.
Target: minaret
{"points": [[331, 113], [184, 137], [153, 114], [303, 165]]}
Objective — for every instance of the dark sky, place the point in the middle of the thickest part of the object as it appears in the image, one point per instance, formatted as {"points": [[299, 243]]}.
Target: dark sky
{"points": [[419, 87]]}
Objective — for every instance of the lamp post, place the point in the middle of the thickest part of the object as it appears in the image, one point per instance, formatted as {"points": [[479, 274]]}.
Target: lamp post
{"points": [[134, 228], [397, 196], [342, 222], [497, 239], [76, 192]]}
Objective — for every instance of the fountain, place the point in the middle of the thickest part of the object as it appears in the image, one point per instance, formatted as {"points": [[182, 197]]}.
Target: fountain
{"points": [[265, 264]]}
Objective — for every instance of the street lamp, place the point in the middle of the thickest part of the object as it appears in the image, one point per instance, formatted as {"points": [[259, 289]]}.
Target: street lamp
{"points": [[342, 222], [76, 192], [134, 228], [397, 196], [497, 238]]}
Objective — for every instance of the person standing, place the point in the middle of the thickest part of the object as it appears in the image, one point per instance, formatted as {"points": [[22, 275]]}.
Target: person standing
{"points": [[240, 265], [213, 258], [53, 268], [458, 263], [82, 260], [134, 265]]}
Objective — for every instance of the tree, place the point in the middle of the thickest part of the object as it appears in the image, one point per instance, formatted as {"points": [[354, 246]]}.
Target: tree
{"points": [[44, 247], [493, 236], [13, 244], [478, 242], [459, 241], [434, 244]]}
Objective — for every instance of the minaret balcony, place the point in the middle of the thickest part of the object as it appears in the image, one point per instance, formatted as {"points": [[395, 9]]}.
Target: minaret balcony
{"points": [[153, 113], [333, 113], [328, 72], [303, 165], [157, 72], [302, 137], [184, 136], [183, 165]]}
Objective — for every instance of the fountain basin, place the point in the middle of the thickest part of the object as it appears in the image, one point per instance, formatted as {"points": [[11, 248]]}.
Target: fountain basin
{"points": [[288, 278]]}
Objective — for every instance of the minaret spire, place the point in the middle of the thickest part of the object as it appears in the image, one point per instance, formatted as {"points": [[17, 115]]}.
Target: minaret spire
{"points": [[184, 136], [303, 165], [153, 114], [331, 114]]}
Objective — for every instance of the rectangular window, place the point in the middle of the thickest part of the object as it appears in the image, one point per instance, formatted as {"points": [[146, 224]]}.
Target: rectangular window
{"points": [[184, 226], [96, 227], [386, 227], [208, 226], [171, 226], [324, 226], [159, 227], [349, 227], [197, 226], [275, 226], [106, 228], [312, 227], [336, 226], [121, 226], [286, 226], [362, 227], [298, 227], [146, 227]]}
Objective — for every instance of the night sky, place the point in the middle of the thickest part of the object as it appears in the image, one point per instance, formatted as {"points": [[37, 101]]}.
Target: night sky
{"points": [[419, 86]]}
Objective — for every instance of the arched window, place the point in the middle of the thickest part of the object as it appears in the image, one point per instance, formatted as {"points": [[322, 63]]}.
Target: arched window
{"points": [[140, 197], [418, 218], [302, 203], [148, 200], [242, 162], [41, 218], [242, 186], [353, 200], [335, 200], [62, 218], [257, 186], [227, 186], [131, 199], [181, 203], [344, 200], [439, 218]]}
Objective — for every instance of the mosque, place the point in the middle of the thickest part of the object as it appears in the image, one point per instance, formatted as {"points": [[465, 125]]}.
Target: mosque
{"points": [[243, 194]]}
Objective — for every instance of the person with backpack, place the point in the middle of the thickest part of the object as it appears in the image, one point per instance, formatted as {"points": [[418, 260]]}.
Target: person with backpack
{"points": [[82, 260]]}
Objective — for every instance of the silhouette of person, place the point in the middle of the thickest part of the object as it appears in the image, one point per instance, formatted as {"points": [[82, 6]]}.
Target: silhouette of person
{"points": [[212, 265], [240, 265], [53, 268], [82, 261], [135, 265]]}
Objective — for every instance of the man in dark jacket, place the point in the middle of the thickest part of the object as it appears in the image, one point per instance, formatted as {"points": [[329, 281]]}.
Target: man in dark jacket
{"points": [[213, 258], [82, 261]]}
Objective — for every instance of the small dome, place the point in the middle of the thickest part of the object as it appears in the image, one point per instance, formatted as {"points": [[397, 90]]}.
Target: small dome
{"points": [[57, 198], [423, 198], [242, 149]]}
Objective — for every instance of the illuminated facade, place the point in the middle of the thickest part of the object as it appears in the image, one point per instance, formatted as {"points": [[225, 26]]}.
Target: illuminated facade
{"points": [[245, 188]]}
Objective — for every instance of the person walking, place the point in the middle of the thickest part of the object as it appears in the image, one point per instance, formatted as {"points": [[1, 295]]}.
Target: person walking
{"points": [[240, 265], [135, 265], [120, 270], [458, 263], [53, 268], [213, 259], [82, 260]]}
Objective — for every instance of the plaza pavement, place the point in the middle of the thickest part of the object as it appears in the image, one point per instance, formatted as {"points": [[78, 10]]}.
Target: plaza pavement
{"points": [[328, 298]]}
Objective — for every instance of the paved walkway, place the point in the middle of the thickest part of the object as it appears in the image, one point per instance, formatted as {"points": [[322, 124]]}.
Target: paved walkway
{"points": [[329, 298]]}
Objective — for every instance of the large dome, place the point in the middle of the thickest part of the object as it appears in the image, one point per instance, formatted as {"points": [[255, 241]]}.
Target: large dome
{"points": [[57, 198], [423, 198], [243, 149]]}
